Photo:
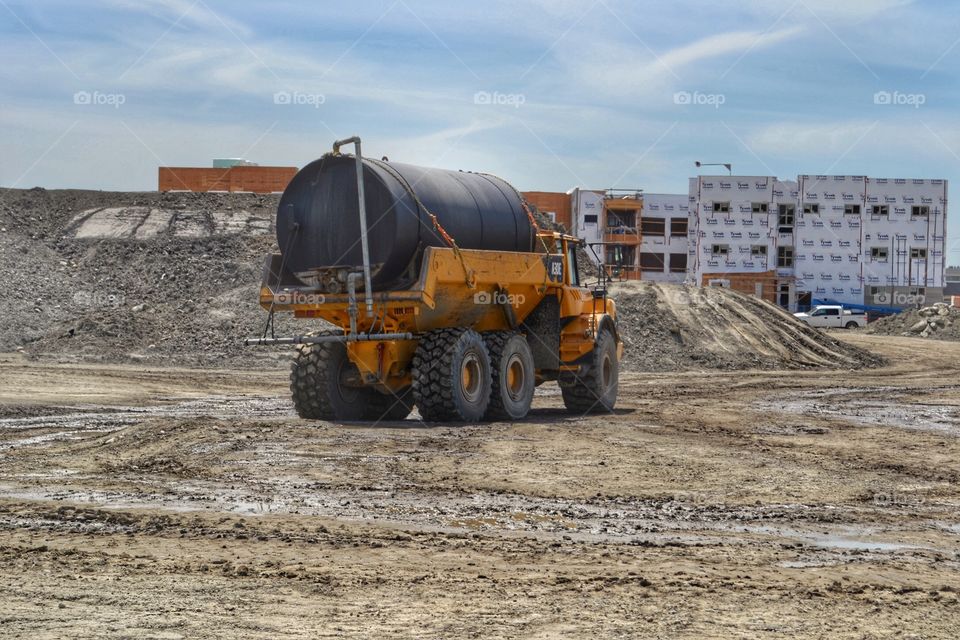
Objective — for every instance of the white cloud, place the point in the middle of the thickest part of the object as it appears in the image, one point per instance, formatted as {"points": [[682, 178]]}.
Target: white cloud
{"points": [[722, 44], [182, 12], [628, 68]]}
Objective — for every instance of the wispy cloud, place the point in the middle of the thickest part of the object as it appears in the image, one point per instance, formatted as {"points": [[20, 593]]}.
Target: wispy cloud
{"points": [[190, 13], [624, 67]]}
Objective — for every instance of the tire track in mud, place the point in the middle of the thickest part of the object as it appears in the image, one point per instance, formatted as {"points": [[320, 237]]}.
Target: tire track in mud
{"points": [[176, 460]]}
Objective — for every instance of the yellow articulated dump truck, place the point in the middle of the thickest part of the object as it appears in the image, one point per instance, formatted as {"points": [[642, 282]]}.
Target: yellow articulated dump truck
{"points": [[437, 290]]}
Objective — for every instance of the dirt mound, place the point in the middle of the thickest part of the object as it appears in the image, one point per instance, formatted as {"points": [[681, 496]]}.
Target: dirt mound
{"points": [[172, 278], [939, 321], [668, 327], [160, 277]]}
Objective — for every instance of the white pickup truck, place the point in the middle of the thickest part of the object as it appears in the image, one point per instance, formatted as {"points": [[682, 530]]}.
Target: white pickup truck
{"points": [[829, 315]]}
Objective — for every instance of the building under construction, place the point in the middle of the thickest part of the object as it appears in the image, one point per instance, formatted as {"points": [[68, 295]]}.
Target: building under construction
{"points": [[847, 239]]}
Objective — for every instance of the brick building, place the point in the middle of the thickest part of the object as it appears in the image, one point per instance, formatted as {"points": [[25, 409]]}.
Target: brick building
{"points": [[239, 177]]}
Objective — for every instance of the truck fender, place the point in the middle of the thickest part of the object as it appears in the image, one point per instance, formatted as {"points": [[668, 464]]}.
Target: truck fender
{"points": [[606, 322]]}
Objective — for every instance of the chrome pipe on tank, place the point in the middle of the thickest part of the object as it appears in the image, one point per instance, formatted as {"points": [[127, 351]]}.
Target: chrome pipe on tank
{"points": [[362, 201], [359, 337]]}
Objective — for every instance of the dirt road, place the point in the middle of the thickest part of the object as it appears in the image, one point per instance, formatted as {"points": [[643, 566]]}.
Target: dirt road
{"points": [[162, 503]]}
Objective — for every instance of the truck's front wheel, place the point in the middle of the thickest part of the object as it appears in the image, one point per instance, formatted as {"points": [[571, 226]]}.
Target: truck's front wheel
{"points": [[451, 376], [596, 390]]}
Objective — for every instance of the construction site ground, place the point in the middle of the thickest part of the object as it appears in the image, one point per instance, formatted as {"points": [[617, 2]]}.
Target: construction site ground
{"points": [[145, 502]]}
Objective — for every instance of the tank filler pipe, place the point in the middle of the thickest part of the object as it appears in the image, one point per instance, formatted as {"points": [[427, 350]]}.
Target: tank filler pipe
{"points": [[352, 299], [359, 337], [367, 289]]}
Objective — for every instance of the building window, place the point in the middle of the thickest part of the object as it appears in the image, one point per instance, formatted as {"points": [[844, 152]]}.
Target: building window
{"points": [[785, 217], [590, 218], [678, 263], [652, 226], [758, 207], [811, 208], [620, 255], [920, 211], [878, 253], [651, 261], [678, 227], [853, 209], [918, 254], [784, 257], [720, 249], [758, 250], [621, 221], [881, 210], [721, 207]]}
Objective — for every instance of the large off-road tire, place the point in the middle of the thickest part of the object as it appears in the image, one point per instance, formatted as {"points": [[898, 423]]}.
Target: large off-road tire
{"points": [[317, 382], [513, 376], [596, 390], [451, 376]]}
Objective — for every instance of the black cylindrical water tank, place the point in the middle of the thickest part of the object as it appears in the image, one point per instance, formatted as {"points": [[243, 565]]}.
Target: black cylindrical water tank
{"points": [[318, 221]]}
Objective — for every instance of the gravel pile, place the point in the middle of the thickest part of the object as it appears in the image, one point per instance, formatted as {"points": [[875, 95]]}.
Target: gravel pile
{"points": [[667, 327], [173, 279], [939, 321], [186, 295]]}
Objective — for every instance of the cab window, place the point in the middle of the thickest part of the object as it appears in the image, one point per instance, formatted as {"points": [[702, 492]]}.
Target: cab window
{"points": [[574, 274]]}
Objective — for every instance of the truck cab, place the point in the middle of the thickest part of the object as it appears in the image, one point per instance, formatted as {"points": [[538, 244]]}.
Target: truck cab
{"points": [[833, 316]]}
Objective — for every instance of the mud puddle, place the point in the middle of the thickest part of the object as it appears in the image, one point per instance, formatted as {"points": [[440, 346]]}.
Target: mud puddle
{"points": [[874, 407], [73, 423], [646, 522]]}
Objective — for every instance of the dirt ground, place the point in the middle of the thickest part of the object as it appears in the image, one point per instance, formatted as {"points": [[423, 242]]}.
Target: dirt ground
{"points": [[141, 502]]}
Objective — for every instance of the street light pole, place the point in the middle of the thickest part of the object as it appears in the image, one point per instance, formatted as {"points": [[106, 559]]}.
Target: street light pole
{"points": [[726, 165]]}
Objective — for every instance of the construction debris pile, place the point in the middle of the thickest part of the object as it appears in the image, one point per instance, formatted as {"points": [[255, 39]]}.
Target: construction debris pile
{"points": [[157, 277], [667, 327], [939, 321], [173, 278]]}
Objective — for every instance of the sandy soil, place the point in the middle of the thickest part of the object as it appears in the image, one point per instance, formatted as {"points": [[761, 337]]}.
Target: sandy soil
{"points": [[163, 503]]}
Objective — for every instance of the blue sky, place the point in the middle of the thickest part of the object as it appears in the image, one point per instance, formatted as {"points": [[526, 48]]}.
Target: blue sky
{"points": [[550, 94]]}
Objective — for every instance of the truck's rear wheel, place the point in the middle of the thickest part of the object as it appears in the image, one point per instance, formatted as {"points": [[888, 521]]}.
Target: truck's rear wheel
{"points": [[596, 390], [324, 385], [852, 325], [451, 376], [513, 377]]}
